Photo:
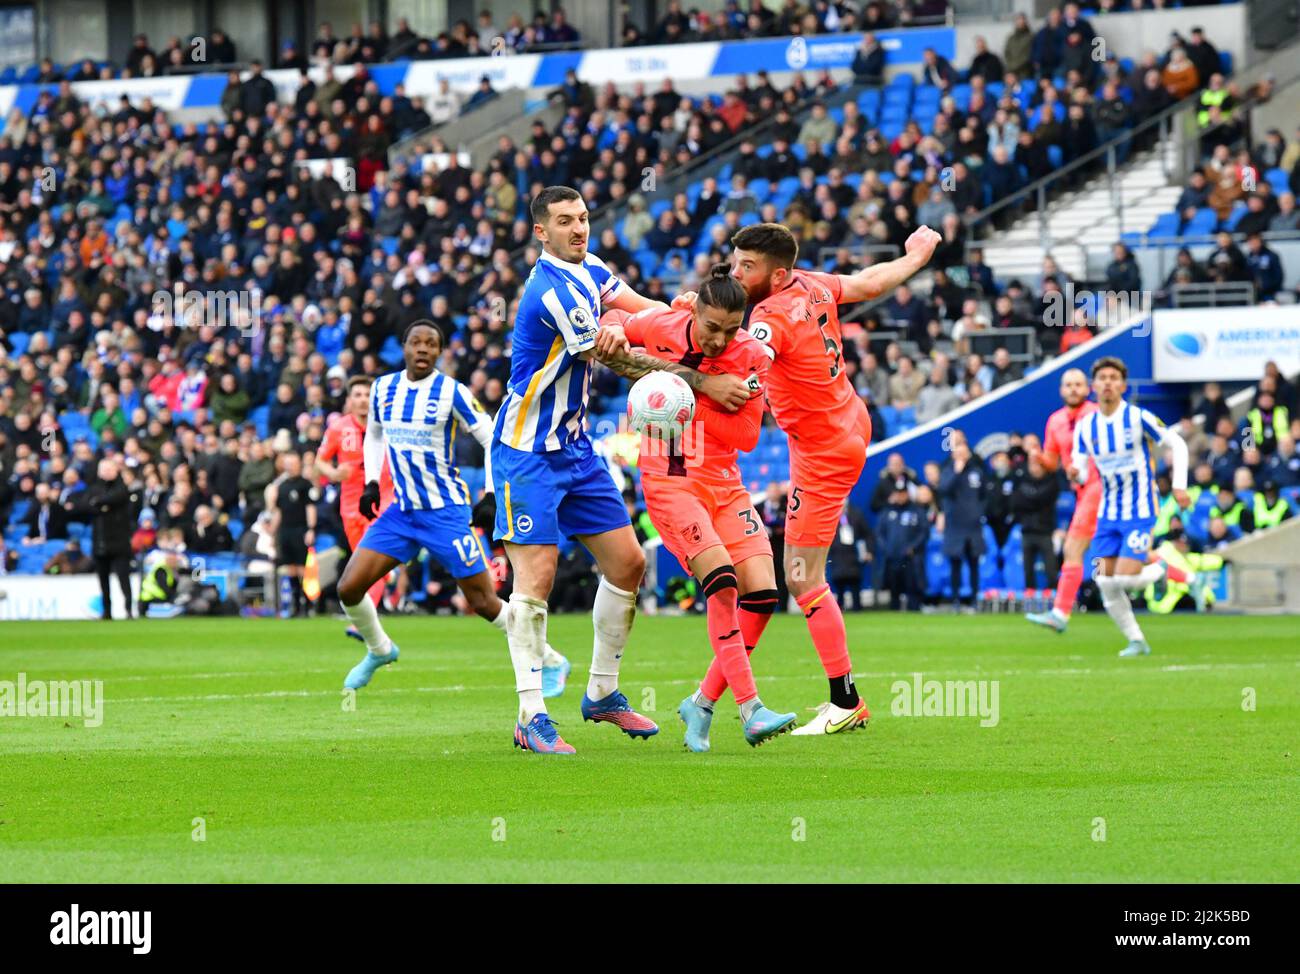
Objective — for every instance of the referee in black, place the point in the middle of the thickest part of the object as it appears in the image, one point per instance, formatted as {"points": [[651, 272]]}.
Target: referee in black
{"points": [[294, 498]]}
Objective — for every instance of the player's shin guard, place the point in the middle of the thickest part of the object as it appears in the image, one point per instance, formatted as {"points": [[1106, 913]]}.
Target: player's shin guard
{"points": [[526, 634], [756, 609], [1114, 596], [720, 592], [364, 616], [612, 617], [1067, 588]]}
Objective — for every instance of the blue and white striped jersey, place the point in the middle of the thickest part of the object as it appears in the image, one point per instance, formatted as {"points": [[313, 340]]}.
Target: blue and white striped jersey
{"points": [[417, 421], [559, 314], [1118, 445]]}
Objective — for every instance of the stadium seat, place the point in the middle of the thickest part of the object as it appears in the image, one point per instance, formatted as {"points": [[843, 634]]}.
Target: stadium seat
{"points": [[1013, 569], [1238, 211], [1166, 225], [1202, 224], [1277, 178], [391, 352], [1225, 61], [18, 342]]}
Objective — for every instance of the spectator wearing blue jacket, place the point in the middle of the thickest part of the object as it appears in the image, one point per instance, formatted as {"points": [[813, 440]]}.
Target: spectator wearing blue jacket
{"points": [[902, 532], [1265, 268]]}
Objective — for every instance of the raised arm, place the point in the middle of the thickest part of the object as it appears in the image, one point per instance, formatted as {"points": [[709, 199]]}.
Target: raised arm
{"points": [[871, 282]]}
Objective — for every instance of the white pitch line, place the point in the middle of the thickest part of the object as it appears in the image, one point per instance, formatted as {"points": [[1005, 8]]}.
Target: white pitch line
{"points": [[766, 678], [277, 693]]}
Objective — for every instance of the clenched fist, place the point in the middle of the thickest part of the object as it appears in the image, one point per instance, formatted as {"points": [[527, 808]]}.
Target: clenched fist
{"points": [[922, 242]]}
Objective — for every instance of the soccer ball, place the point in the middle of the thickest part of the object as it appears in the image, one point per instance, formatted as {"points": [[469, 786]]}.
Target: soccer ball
{"points": [[660, 404]]}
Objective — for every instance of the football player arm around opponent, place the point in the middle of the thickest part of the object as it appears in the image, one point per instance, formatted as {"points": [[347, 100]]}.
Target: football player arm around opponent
{"points": [[614, 350]]}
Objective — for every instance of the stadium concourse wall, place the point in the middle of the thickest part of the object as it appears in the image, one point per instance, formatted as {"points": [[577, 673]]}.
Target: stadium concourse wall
{"points": [[1023, 406], [681, 62]]}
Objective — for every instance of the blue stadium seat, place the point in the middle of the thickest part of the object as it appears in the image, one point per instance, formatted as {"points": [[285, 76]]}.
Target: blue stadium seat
{"points": [[475, 478], [259, 416], [937, 573], [1202, 224], [1013, 569], [647, 260], [391, 352], [1225, 62], [1166, 225], [1277, 178], [1239, 210]]}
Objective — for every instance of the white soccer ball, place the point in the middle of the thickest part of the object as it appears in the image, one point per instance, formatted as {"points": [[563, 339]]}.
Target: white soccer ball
{"points": [[660, 404]]}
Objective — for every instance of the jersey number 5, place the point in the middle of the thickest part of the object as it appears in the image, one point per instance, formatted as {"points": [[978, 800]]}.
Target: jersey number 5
{"points": [[832, 349]]}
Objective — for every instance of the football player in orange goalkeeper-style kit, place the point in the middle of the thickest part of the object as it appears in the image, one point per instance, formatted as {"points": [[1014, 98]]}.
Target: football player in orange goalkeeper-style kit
{"points": [[795, 314], [340, 460], [696, 499]]}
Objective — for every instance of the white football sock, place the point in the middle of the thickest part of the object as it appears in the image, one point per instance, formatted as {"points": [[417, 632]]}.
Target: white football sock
{"points": [[549, 656], [1114, 595], [612, 617], [366, 619], [526, 633], [1151, 573]]}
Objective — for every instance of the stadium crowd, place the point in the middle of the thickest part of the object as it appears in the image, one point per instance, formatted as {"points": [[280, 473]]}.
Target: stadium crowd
{"points": [[109, 217]]}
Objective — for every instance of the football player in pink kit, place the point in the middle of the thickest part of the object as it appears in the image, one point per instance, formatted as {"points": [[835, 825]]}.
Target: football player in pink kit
{"points": [[1058, 443]]}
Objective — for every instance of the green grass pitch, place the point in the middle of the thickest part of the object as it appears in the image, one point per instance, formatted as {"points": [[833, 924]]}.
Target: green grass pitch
{"points": [[1099, 769]]}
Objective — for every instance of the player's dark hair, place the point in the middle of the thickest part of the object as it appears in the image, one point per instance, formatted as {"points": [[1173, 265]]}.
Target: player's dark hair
{"points": [[772, 240], [540, 208], [721, 290], [360, 380], [1110, 362], [425, 323]]}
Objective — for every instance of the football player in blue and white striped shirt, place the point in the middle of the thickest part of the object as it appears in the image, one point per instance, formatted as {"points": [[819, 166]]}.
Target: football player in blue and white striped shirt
{"points": [[1121, 440], [414, 415]]}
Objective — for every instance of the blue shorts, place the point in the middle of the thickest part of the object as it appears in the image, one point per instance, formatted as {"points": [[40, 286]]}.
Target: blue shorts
{"points": [[444, 531], [1123, 539], [543, 498]]}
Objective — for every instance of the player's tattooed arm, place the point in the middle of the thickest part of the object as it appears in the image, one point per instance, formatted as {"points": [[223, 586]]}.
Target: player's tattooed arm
{"points": [[612, 349]]}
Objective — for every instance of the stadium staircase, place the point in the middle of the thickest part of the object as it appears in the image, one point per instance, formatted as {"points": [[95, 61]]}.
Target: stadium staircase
{"points": [[1092, 219]]}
